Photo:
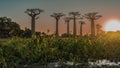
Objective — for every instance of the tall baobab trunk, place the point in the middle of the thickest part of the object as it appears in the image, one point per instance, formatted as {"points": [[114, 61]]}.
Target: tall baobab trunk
{"points": [[68, 28], [33, 25], [81, 26], [81, 29], [67, 21], [74, 27], [57, 33], [92, 28]]}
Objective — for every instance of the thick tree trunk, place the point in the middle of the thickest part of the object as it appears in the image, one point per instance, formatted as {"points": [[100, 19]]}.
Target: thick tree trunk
{"points": [[74, 27], [92, 28], [97, 32], [57, 33], [80, 29], [67, 28], [33, 26]]}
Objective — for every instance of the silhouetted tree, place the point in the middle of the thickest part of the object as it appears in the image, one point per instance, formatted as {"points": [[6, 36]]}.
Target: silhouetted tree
{"points": [[57, 17], [67, 21], [8, 28], [74, 17], [92, 17], [33, 13], [27, 33], [81, 24], [5, 19], [98, 27]]}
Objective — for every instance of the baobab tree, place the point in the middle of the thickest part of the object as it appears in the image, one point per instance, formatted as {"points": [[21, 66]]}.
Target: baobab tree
{"points": [[92, 17], [57, 17], [67, 21], [75, 16], [81, 26], [98, 27], [33, 13]]}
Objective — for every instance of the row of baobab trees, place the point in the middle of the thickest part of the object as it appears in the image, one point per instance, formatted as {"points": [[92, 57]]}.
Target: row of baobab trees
{"points": [[33, 13]]}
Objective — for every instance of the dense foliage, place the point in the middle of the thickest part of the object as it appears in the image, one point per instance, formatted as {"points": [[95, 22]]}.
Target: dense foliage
{"points": [[8, 28], [19, 51]]}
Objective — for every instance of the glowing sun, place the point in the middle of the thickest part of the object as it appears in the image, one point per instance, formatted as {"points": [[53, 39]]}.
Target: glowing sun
{"points": [[112, 25]]}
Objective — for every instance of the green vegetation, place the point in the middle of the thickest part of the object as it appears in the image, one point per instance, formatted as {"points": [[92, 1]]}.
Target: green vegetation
{"points": [[43, 50]]}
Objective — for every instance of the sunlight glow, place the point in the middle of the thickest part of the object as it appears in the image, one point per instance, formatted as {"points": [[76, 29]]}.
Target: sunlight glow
{"points": [[112, 25]]}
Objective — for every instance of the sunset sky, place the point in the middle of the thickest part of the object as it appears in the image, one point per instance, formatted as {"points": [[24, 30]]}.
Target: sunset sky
{"points": [[109, 9]]}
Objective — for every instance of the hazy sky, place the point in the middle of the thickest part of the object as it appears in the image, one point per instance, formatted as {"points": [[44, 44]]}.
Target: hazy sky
{"points": [[15, 9]]}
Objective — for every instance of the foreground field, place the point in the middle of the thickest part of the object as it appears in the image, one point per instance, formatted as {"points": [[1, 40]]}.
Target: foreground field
{"points": [[44, 50]]}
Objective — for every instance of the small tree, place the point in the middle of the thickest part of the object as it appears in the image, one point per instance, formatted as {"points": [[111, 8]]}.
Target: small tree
{"points": [[33, 13], [98, 27], [81, 26]]}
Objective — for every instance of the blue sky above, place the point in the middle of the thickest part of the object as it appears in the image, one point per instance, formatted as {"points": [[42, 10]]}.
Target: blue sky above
{"points": [[15, 10]]}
